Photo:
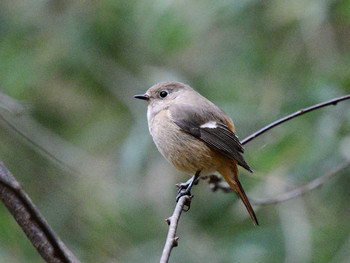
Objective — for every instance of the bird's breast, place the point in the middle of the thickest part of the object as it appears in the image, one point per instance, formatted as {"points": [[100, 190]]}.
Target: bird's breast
{"points": [[184, 151]]}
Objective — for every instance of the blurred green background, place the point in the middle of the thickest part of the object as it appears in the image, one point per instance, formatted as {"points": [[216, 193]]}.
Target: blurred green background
{"points": [[75, 138]]}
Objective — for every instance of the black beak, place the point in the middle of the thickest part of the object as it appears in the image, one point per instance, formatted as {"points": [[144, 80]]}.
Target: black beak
{"points": [[142, 97]]}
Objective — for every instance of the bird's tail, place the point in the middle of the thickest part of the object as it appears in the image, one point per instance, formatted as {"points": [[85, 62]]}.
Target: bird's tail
{"points": [[231, 176]]}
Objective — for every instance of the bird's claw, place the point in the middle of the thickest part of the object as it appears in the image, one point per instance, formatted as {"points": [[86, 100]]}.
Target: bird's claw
{"points": [[182, 186], [183, 192], [185, 189], [187, 204]]}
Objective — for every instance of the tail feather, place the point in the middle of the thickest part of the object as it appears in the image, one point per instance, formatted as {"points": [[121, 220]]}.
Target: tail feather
{"points": [[231, 176], [246, 202]]}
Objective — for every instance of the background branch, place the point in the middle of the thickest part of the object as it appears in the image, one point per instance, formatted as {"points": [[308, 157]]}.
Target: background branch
{"points": [[216, 183], [293, 115], [302, 190], [40, 234]]}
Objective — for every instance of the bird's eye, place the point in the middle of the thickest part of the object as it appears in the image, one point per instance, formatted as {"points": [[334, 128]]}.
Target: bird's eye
{"points": [[163, 94]]}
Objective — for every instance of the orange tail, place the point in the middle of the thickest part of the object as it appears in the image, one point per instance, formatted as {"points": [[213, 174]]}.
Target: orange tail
{"points": [[246, 202], [231, 176]]}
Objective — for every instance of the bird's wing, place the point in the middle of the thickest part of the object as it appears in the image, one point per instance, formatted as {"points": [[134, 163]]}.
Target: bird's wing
{"points": [[206, 125]]}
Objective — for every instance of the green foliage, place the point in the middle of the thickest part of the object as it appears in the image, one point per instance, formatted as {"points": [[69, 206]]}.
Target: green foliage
{"points": [[73, 66]]}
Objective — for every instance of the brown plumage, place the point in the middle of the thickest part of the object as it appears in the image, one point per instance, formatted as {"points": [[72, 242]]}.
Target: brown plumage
{"points": [[195, 135]]}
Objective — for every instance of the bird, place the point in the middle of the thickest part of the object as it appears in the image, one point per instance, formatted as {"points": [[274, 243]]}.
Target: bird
{"points": [[195, 135]]}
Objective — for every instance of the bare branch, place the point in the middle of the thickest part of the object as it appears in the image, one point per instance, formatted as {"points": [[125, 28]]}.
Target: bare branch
{"points": [[216, 183], [11, 105], [293, 115], [302, 190], [38, 231], [171, 240]]}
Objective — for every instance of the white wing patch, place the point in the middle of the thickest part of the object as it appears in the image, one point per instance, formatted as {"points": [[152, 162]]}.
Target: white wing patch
{"points": [[210, 125]]}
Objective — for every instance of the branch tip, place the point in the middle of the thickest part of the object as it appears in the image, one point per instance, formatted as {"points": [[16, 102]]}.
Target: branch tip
{"points": [[175, 241], [168, 221]]}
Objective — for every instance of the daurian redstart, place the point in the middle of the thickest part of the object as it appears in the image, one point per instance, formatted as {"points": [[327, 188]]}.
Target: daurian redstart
{"points": [[195, 135]]}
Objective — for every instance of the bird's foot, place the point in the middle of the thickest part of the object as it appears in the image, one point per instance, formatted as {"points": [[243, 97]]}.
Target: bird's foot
{"points": [[185, 188], [182, 192]]}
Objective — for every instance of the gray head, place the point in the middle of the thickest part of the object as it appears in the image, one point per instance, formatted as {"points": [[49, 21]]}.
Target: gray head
{"points": [[163, 91], [160, 96]]}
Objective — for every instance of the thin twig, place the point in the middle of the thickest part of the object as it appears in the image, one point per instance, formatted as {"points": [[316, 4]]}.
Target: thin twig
{"points": [[171, 240], [216, 183], [293, 115], [302, 190], [46, 153], [34, 225]]}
